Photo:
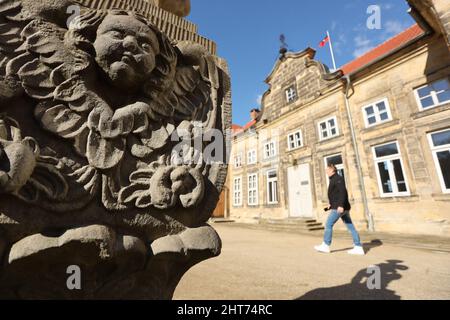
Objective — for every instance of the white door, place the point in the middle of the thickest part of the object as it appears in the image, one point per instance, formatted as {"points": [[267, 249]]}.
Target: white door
{"points": [[300, 196]]}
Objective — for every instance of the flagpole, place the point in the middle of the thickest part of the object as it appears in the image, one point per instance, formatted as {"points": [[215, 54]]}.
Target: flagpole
{"points": [[331, 50]]}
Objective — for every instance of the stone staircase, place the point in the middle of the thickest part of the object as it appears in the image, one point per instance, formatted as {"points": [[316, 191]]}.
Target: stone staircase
{"points": [[308, 225]]}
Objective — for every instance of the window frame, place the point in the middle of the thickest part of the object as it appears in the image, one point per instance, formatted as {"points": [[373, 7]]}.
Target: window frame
{"points": [[321, 138], [433, 95], [290, 148], [377, 113], [236, 203], [287, 95], [434, 152], [236, 157], [391, 158], [275, 151], [249, 158], [274, 193], [255, 190]]}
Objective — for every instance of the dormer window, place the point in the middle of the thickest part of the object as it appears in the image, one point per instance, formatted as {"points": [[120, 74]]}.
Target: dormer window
{"points": [[291, 94]]}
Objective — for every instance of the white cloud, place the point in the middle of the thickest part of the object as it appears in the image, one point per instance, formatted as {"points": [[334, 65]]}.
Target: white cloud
{"points": [[367, 40], [362, 45], [259, 100], [362, 41], [333, 25], [392, 27], [339, 41]]}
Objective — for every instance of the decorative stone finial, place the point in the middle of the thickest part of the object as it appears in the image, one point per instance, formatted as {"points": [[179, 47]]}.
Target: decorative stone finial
{"points": [[181, 8]]}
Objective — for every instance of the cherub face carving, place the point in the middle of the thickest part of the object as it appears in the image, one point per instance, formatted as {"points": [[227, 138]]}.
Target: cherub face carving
{"points": [[126, 50]]}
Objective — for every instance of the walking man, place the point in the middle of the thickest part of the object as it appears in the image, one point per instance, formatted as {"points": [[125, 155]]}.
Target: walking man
{"points": [[340, 209]]}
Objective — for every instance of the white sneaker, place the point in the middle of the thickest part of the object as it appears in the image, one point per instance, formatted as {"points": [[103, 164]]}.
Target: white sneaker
{"points": [[323, 248], [357, 251]]}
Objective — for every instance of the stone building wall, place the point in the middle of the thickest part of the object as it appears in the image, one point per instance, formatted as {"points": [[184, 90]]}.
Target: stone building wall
{"points": [[443, 11], [425, 211]]}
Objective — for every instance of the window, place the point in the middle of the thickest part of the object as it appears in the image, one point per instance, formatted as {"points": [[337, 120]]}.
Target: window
{"points": [[434, 94], [295, 140], [389, 166], [270, 150], [328, 128], [238, 161], [440, 146], [237, 192], [272, 187], [377, 113], [253, 190], [252, 157], [291, 94], [337, 161]]}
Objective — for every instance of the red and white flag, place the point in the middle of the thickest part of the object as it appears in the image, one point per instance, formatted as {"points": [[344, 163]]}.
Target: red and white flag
{"points": [[324, 41], [322, 44]]}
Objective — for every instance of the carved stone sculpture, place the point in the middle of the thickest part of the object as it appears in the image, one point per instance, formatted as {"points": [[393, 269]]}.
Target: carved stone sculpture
{"points": [[92, 115], [180, 8]]}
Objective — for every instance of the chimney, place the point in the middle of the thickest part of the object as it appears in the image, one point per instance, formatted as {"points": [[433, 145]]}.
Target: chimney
{"points": [[254, 114]]}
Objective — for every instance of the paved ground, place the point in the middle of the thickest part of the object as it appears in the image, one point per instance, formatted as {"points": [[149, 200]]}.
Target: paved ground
{"points": [[271, 265]]}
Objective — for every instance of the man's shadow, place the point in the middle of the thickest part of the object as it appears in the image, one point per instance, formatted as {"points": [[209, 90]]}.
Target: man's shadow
{"points": [[358, 288]]}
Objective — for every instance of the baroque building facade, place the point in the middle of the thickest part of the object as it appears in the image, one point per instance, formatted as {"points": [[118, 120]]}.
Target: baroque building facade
{"points": [[383, 120]]}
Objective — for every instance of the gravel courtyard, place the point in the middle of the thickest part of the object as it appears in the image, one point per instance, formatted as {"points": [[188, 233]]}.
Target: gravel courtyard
{"points": [[271, 265]]}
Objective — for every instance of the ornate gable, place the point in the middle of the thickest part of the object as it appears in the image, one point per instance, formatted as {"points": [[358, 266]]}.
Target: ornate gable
{"points": [[296, 79]]}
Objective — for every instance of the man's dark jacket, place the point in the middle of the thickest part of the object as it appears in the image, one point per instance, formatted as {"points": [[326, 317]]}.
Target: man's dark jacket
{"points": [[337, 193]]}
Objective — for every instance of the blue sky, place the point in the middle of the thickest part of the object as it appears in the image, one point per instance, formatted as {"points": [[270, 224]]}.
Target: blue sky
{"points": [[247, 33]]}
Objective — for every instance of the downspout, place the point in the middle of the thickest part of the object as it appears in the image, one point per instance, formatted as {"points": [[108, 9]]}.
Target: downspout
{"points": [[367, 213]]}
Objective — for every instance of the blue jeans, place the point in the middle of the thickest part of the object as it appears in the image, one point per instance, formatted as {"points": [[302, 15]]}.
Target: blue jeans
{"points": [[332, 219]]}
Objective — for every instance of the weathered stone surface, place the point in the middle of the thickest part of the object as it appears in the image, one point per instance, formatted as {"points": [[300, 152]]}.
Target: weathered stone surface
{"points": [[181, 8], [90, 174], [108, 243], [175, 26], [199, 239]]}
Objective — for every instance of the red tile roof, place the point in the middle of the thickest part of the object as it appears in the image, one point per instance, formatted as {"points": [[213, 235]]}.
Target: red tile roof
{"points": [[238, 129], [390, 45], [249, 125]]}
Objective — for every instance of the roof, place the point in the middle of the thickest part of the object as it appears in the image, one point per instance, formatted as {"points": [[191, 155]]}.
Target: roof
{"points": [[249, 125], [383, 49], [238, 129], [235, 128]]}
